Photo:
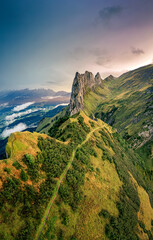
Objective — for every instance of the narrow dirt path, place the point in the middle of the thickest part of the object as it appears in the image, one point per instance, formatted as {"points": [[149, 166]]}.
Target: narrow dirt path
{"points": [[47, 211]]}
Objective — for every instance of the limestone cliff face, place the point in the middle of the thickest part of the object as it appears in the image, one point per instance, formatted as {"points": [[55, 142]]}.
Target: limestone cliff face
{"points": [[80, 84]]}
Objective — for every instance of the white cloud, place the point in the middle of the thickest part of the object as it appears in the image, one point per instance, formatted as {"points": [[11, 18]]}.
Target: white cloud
{"points": [[50, 97], [11, 118], [62, 104], [3, 104], [22, 106], [18, 128]]}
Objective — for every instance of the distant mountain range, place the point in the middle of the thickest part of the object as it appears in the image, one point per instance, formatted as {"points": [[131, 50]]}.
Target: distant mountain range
{"points": [[26, 95]]}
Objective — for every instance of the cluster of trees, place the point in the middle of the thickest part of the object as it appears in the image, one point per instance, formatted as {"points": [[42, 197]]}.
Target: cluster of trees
{"points": [[123, 226], [28, 202], [73, 131], [32, 166], [71, 190], [8, 170], [54, 156], [23, 175], [83, 153], [54, 130], [76, 131], [84, 126], [17, 165], [92, 124]]}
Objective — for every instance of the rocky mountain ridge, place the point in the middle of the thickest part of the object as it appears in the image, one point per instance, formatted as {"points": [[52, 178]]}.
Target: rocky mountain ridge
{"points": [[80, 85]]}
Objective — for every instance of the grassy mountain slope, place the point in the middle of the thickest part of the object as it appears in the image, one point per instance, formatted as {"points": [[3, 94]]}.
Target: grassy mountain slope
{"points": [[47, 122], [126, 104], [103, 194]]}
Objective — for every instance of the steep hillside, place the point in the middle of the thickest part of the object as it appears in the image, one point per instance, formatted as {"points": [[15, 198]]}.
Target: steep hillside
{"points": [[125, 103], [129, 107], [47, 122], [80, 182]]}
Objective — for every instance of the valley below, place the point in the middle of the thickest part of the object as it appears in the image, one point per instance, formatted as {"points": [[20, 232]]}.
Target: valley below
{"points": [[25, 108]]}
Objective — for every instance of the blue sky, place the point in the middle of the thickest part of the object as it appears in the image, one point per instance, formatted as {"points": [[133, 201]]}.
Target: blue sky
{"points": [[44, 42]]}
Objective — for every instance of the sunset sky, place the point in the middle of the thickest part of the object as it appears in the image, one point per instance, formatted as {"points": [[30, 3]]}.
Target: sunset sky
{"points": [[44, 42]]}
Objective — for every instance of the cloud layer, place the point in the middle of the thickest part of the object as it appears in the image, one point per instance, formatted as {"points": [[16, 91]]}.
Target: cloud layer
{"points": [[3, 104], [12, 118], [61, 104], [18, 128], [22, 106], [50, 97]]}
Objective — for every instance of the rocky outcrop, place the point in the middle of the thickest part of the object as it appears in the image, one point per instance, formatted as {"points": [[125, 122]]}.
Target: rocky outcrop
{"points": [[80, 84], [109, 78], [98, 79]]}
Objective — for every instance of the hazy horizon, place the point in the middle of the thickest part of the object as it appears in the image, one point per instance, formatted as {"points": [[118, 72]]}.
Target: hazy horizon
{"points": [[68, 91]]}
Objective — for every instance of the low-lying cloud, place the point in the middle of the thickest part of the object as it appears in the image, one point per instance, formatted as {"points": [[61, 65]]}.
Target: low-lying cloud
{"points": [[22, 106], [3, 104], [18, 128], [61, 104], [11, 118], [50, 97]]}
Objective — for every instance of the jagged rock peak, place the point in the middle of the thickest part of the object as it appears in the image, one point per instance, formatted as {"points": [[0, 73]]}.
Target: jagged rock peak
{"points": [[110, 77], [80, 84], [98, 78]]}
